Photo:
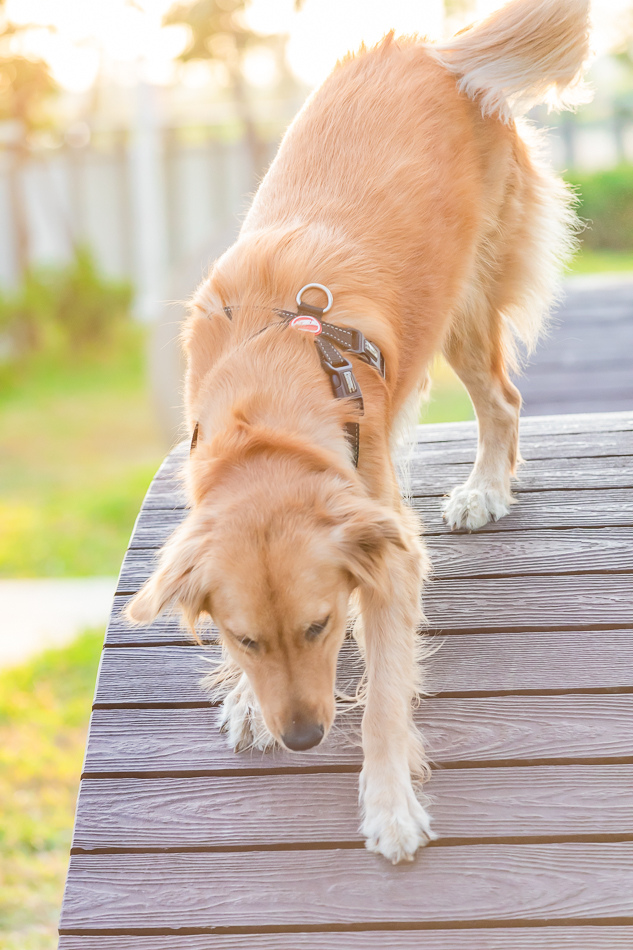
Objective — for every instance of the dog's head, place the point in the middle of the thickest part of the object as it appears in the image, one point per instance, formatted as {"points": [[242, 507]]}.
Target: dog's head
{"points": [[277, 578]]}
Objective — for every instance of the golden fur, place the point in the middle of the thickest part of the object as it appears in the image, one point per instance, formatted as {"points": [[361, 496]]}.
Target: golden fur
{"points": [[404, 186]]}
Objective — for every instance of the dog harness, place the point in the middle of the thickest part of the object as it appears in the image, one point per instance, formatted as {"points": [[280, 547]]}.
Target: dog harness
{"points": [[329, 340]]}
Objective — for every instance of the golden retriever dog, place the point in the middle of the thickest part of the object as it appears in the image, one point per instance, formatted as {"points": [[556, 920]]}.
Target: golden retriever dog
{"points": [[406, 190]]}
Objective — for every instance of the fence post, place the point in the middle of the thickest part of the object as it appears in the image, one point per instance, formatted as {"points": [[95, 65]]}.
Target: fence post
{"points": [[148, 205]]}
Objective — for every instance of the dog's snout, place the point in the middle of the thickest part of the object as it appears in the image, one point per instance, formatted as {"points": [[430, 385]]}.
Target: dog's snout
{"points": [[302, 735]]}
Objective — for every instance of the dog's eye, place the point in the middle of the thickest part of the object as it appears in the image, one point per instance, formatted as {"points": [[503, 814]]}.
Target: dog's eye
{"points": [[247, 643], [315, 629]]}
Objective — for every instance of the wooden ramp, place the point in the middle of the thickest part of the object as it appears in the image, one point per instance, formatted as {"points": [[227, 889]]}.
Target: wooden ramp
{"points": [[181, 844], [585, 364]]}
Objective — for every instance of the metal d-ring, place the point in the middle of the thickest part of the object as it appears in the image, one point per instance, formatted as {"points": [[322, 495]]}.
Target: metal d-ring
{"points": [[326, 291]]}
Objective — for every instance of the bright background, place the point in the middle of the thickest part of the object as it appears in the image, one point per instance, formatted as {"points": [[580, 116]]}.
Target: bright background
{"points": [[131, 135]]}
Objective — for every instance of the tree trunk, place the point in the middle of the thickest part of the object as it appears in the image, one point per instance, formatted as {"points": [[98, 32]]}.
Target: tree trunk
{"points": [[256, 148], [18, 207]]}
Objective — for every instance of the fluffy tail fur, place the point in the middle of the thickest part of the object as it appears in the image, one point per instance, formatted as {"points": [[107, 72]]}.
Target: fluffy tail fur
{"points": [[528, 52]]}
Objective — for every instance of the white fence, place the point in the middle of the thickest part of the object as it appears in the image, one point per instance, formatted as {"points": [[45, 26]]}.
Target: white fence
{"points": [[91, 195]]}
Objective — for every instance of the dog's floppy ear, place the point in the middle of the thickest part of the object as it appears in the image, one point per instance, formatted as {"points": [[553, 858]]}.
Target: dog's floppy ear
{"points": [[178, 579], [364, 536]]}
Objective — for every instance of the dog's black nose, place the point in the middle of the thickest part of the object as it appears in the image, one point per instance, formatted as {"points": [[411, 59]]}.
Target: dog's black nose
{"points": [[302, 736]]}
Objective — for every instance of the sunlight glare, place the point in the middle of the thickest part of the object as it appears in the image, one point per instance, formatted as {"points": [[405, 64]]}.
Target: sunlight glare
{"points": [[130, 32]]}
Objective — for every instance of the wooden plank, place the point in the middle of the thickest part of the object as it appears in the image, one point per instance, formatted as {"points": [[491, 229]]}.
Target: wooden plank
{"points": [[539, 475], [505, 729], [591, 445], [590, 358], [274, 810], [621, 420], [589, 550], [539, 427], [165, 629], [499, 938], [535, 510], [547, 509], [478, 663], [539, 402], [567, 882], [538, 552], [580, 351], [534, 446], [566, 385], [530, 602], [526, 603]]}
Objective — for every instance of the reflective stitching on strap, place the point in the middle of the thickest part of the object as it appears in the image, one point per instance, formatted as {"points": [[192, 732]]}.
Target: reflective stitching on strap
{"points": [[329, 352], [339, 333]]}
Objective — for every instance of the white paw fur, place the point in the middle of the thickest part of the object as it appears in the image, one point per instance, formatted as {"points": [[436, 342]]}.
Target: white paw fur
{"points": [[471, 508], [395, 824], [241, 719]]}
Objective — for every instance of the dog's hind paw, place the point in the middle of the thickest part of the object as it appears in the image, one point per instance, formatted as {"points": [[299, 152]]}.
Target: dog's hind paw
{"points": [[472, 508], [399, 831], [242, 721]]}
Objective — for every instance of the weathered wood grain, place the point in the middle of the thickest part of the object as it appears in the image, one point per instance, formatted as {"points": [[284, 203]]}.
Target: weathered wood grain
{"points": [[349, 887], [167, 628], [478, 663], [271, 810], [533, 446], [609, 507], [499, 938], [527, 603], [534, 511], [539, 552], [540, 428], [526, 759], [435, 480], [505, 729]]}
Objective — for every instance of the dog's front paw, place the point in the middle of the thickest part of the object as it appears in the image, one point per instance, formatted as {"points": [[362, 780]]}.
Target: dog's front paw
{"points": [[472, 508], [397, 829], [241, 719]]}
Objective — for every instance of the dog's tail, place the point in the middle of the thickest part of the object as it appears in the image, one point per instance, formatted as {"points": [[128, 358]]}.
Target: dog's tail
{"points": [[528, 52]]}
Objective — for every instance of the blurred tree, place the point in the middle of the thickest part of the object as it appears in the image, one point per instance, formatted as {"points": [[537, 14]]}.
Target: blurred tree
{"points": [[219, 33], [25, 86], [459, 13]]}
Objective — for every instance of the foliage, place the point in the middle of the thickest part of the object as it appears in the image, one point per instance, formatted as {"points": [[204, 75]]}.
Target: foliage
{"points": [[44, 712], [26, 86], [79, 446], [72, 307], [89, 307], [26, 82], [606, 204], [217, 30], [603, 262], [219, 33]]}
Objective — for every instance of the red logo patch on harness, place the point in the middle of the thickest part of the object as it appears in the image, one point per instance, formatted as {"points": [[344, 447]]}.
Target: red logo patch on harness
{"points": [[307, 323]]}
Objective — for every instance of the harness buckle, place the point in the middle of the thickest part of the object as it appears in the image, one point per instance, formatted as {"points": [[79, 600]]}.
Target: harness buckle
{"points": [[343, 380], [367, 351]]}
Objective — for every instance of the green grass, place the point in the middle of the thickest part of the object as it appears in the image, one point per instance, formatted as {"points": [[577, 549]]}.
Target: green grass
{"points": [[44, 712], [449, 400], [79, 446], [602, 262]]}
